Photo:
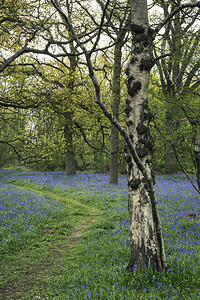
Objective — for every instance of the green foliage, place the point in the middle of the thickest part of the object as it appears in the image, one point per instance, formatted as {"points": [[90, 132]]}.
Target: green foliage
{"points": [[42, 92], [185, 133]]}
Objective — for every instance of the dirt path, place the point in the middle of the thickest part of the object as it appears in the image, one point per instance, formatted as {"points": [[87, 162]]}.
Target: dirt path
{"points": [[41, 269]]}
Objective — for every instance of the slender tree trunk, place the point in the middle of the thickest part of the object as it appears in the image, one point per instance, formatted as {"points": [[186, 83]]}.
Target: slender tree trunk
{"points": [[115, 109], [146, 237], [197, 156], [70, 165], [114, 155], [171, 164]]}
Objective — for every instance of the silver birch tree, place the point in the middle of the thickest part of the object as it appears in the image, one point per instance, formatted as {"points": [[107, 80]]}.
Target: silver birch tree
{"points": [[119, 34], [146, 238]]}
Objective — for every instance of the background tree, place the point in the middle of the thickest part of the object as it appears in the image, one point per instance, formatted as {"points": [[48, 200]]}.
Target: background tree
{"points": [[118, 18], [178, 68], [49, 33]]}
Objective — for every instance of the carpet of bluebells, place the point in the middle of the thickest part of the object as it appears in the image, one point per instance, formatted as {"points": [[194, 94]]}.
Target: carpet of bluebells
{"points": [[94, 184], [101, 272], [22, 215]]}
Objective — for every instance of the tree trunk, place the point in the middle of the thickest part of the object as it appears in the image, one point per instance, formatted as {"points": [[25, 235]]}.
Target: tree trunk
{"points": [[146, 237], [197, 156], [114, 155], [70, 166], [171, 164], [115, 110]]}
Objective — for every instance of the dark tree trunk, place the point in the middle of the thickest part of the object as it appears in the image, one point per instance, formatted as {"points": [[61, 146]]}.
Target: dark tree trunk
{"points": [[70, 165], [197, 156], [114, 155], [171, 163]]}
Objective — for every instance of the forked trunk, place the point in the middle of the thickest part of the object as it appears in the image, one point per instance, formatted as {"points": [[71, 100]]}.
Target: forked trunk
{"points": [[146, 237]]}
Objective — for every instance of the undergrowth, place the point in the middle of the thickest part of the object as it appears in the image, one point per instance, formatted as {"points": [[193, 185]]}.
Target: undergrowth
{"points": [[95, 267]]}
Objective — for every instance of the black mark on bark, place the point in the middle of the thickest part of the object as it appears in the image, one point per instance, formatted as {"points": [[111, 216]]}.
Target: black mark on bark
{"points": [[133, 60], [151, 31], [134, 183], [142, 151], [129, 123], [125, 149], [137, 28], [146, 64], [133, 90], [138, 50], [143, 197], [128, 158], [141, 128], [130, 79], [127, 71], [127, 110]]}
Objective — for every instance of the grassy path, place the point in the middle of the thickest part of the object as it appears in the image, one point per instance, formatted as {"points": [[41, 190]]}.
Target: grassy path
{"points": [[42, 261]]}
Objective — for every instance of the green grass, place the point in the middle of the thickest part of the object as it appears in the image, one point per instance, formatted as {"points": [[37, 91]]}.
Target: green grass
{"points": [[41, 260], [75, 258]]}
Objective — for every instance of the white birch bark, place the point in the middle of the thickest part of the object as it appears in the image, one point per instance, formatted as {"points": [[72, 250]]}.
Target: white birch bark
{"points": [[146, 237]]}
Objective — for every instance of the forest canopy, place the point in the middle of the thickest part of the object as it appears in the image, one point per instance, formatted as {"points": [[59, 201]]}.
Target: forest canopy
{"points": [[49, 118]]}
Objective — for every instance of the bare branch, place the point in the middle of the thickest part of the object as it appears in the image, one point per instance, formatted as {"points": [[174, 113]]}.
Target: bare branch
{"points": [[175, 11], [14, 149], [17, 105], [8, 61], [100, 27], [84, 136], [99, 101]]}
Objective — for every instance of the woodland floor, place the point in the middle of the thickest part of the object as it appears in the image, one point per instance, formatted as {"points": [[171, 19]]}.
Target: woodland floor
{"points": [[41, 263]]}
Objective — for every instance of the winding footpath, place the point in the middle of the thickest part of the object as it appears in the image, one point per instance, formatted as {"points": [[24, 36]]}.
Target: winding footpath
{"points": [[30, 274]]}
